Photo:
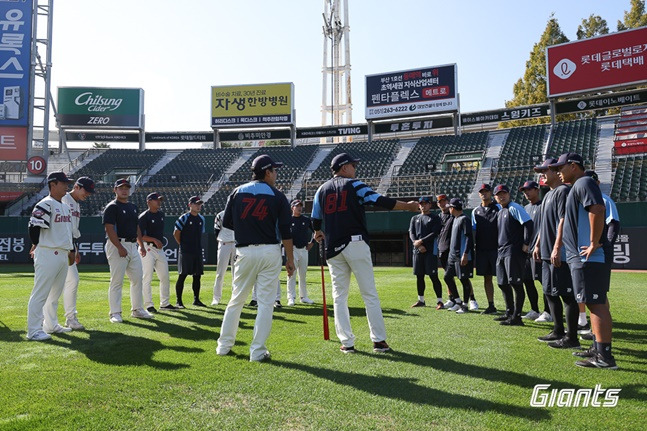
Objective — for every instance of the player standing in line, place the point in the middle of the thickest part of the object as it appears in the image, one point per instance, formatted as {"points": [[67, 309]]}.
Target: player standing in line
{"points": [[423, 232], [484, 226], [189, 228], [515, 229], [50, 231], [444, 238], [532, 268], [226, 255], [339, 205], [258, 213], [301, 228], [585, 242], [83, 187], [122, 228], [151, 225], [460, 260], [556, 275]]}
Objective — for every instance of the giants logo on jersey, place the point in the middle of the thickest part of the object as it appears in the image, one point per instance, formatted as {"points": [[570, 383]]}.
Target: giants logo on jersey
{"points": [[62, 219]]}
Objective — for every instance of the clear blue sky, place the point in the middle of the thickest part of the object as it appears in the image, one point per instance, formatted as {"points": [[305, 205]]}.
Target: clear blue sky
{"points": [[177, 50]]}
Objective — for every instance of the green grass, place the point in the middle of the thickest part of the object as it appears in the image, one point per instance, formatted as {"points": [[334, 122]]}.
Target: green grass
{"points": [[447, 371]]}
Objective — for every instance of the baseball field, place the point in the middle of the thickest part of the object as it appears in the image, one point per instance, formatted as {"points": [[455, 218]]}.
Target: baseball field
{"points": [[446, 371]]}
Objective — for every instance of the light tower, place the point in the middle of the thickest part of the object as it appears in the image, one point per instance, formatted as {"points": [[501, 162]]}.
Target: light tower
{"points": [[336, 68]]}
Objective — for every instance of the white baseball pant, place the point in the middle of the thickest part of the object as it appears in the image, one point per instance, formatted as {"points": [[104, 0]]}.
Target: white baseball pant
{"points": [[260, 264], [70, 288], [355, 258], [301, 269], [226, 256], [278, 291], [155, 260], [130, 265], [50, 270]]}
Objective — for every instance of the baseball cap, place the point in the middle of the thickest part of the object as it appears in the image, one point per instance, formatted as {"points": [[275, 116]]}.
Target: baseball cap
{"points": [[501, 188], [426, 199], [568, 158], [456, 203], [58, 176], [86, 183], [591, 173], [122, 182], [195, 200], [485, 187], [529, 185], [441, 197], [340, 160], [154, 197], [263, 162], [545, 166], [295, 203]]}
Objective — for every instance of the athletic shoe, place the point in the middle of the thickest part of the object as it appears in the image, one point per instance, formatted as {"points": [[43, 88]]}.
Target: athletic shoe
{"points": [[584, 329], [565, 343], [73, 322], [116, 318], [345, 349], [151, 309], [449, 304], [198, 303], [490, 310], [531, 315], [58, 329], [588, 353], [474, 305], [169, 307], [180, 306], [418, 304], [277, 304], [264, 357], [462, 310], [291, 302], [544, 317], [215, 302], [552, 336], [40, 336], [140, 313], [456, 307], [253, 303], [513, 321], [587, 337], [598, 361], [440, 305], [306, 300], [502, 318], [223, 352], [381, 346]]}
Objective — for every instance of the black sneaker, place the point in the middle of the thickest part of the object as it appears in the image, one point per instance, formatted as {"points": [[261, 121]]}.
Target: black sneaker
{"points": [[513, 321], [587, 337], [588, 353], [502, 318], [565, 343], [552, 336], [490, 310], [381, 346], [345, 349], [198, 303], [584, 329], [168, 307], [418, 304], [598, 361], [277, 304], [253, 303], [151, 309]]}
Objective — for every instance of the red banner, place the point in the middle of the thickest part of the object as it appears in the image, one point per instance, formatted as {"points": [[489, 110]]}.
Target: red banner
{"points": [[10, 196], [631, 146], [13, 143], [601, 62]]}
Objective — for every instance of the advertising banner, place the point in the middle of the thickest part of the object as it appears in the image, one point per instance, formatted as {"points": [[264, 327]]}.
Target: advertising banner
{"points": [[607, 61], [100, 108], [110, 137], [630, 146], [414, 125], [601, 102], [13, 143], [494, 116], [15, 62], [320, 132], [252, 105], [430, 90]]}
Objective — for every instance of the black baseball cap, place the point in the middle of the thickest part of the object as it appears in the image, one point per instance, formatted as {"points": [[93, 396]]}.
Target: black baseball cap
{"points": [[86, 183], [591, 173], [545, 166], [122, 182], [456, 203], [58, 176], [263, 162], [426, 199], [501, 188], [296, 202], [340, 160], [195, 200], [568, 158], [154, 197], [485, 187], [529, 185]]}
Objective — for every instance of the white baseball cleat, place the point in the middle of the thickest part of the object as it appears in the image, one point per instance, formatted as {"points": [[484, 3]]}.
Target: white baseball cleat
{"points": [[58, 329], [73, 323], [449, 304], [544, 317], [215, 302], [40, 336], [264, 357], [290, 302], [306, 300], [116, 318], [474, 305], [531, 315], [140, 313], [456, 307]]}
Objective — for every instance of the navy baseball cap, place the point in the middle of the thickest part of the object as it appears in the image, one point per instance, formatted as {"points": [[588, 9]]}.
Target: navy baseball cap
{"points": [[455, 203], [122, 182], [296, 202], [568, 158], [86, 183], [591, 173], [340, 160], [426, 199], [501, 188], [58, 176], [529, 185], [263, 162], [485, 187], [154, 197], [195, 200], [545, 166]]}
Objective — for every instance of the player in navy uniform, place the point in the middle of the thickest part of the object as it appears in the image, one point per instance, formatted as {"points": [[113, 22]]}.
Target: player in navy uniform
{"points": [[585, 242], [259, 215], [188, 234], [556, 275], [484, 226], [514, 233], [444, 239], [423, 232], [532, 268], [460, 260], [339, 205], [301, 228]]}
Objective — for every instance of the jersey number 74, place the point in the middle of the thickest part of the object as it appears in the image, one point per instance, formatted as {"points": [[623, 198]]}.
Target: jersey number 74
{"points": [[259, 211]]}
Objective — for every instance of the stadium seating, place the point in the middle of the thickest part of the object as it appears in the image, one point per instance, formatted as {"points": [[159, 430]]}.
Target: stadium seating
{"points": [[115, 159], [630, 179], [523, 147], [453, 184], [514, 177], [579, 136]]}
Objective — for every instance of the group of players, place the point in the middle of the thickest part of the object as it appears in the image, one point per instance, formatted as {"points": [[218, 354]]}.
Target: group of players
{"points": [[562, 240]]}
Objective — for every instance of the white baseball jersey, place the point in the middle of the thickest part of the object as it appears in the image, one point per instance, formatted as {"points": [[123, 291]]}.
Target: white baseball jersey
{"points": [[75, 212], [225, 235], [55, 221]]}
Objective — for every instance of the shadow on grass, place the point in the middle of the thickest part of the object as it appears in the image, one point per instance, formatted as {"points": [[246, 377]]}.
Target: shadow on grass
{"points": [[406, 389], [117, 349], [316, 310], [6, 334]]}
